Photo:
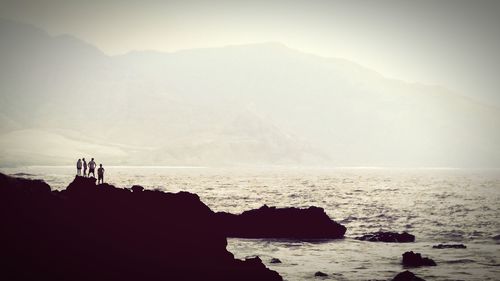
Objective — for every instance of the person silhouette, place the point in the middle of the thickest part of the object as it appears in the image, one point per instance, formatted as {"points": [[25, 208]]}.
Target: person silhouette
{"points": [[92, 165], [100, 174], [84, 167], [79, 167]]}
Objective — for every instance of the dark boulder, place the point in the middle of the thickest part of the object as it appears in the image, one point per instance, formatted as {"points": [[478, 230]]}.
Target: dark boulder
{"points": [[389, 237], [272, 222], [275, 260], [320, 274], [449, 246], [415, 259], [406, 276], [100, 232], [137, 188]]}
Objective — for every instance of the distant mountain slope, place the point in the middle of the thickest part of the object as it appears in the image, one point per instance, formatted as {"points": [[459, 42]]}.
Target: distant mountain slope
{"points": [[262, 104]]}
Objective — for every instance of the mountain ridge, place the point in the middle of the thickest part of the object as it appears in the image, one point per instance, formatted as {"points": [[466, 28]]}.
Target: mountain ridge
{"points": [[311, 111]]}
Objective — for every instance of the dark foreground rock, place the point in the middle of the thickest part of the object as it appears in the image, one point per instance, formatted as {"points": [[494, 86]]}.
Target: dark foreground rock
{"points": [[416, 259], [390, 237], [90, 232], [406, 276], [449, 246], [271, 222]]}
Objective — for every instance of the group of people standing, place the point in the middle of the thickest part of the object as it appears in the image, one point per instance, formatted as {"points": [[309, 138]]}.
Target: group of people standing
{"points": [[91, 166]]}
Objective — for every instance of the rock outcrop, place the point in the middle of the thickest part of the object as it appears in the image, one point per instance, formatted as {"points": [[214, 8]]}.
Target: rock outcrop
{"points": [[389, 237], [407, 276], [320, 274], [449, 246], [290, 223], [415, 259], [100, 232]]}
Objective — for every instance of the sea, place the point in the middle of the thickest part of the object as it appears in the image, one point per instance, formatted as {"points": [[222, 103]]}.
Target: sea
{"points": [[437, 205]]}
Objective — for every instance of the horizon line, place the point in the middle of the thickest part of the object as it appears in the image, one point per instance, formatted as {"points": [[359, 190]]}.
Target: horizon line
{"points": [[267, 167]]}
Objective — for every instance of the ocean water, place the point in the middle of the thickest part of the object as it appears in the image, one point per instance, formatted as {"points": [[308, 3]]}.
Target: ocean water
{"points": [[435, 205]]}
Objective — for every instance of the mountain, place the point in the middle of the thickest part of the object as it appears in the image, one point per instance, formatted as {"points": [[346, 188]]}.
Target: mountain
{"points": [[260, 104]]}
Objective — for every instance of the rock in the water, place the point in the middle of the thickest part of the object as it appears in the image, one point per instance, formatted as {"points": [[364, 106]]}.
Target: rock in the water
{"points": [[320, 274], [390, 237], [100, 232], [449, 246], [407, 276], [496, 237], [271, 222], [275, 260], [137, 188], [415, 259]]}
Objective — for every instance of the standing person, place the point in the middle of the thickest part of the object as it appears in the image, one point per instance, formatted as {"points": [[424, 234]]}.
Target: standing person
{"points": [[79, 167], [92, 167], [100, 174], [84, 167]]}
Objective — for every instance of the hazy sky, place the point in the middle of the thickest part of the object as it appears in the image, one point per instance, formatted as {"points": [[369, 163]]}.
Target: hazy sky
{"points": [[452, 43]]}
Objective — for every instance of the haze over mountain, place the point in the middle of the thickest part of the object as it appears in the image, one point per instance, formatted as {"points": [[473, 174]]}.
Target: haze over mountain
{"points": [[261, 104]]}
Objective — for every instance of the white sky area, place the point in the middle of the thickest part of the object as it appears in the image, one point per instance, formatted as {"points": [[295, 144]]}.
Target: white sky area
{"points": [[450, 43]]}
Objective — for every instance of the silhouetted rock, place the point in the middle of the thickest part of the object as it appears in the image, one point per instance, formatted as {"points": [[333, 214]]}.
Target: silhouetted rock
{"points": [[449, 246], [271, 222], [100, 232], [320, 274], [415, 259], [137, 188], [390, 237], [275, 260], [19, 186], [496, 237], [406, 276]]}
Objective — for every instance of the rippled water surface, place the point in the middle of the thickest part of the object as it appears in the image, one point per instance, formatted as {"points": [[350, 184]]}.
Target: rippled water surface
{"points": [[436, 205]]}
